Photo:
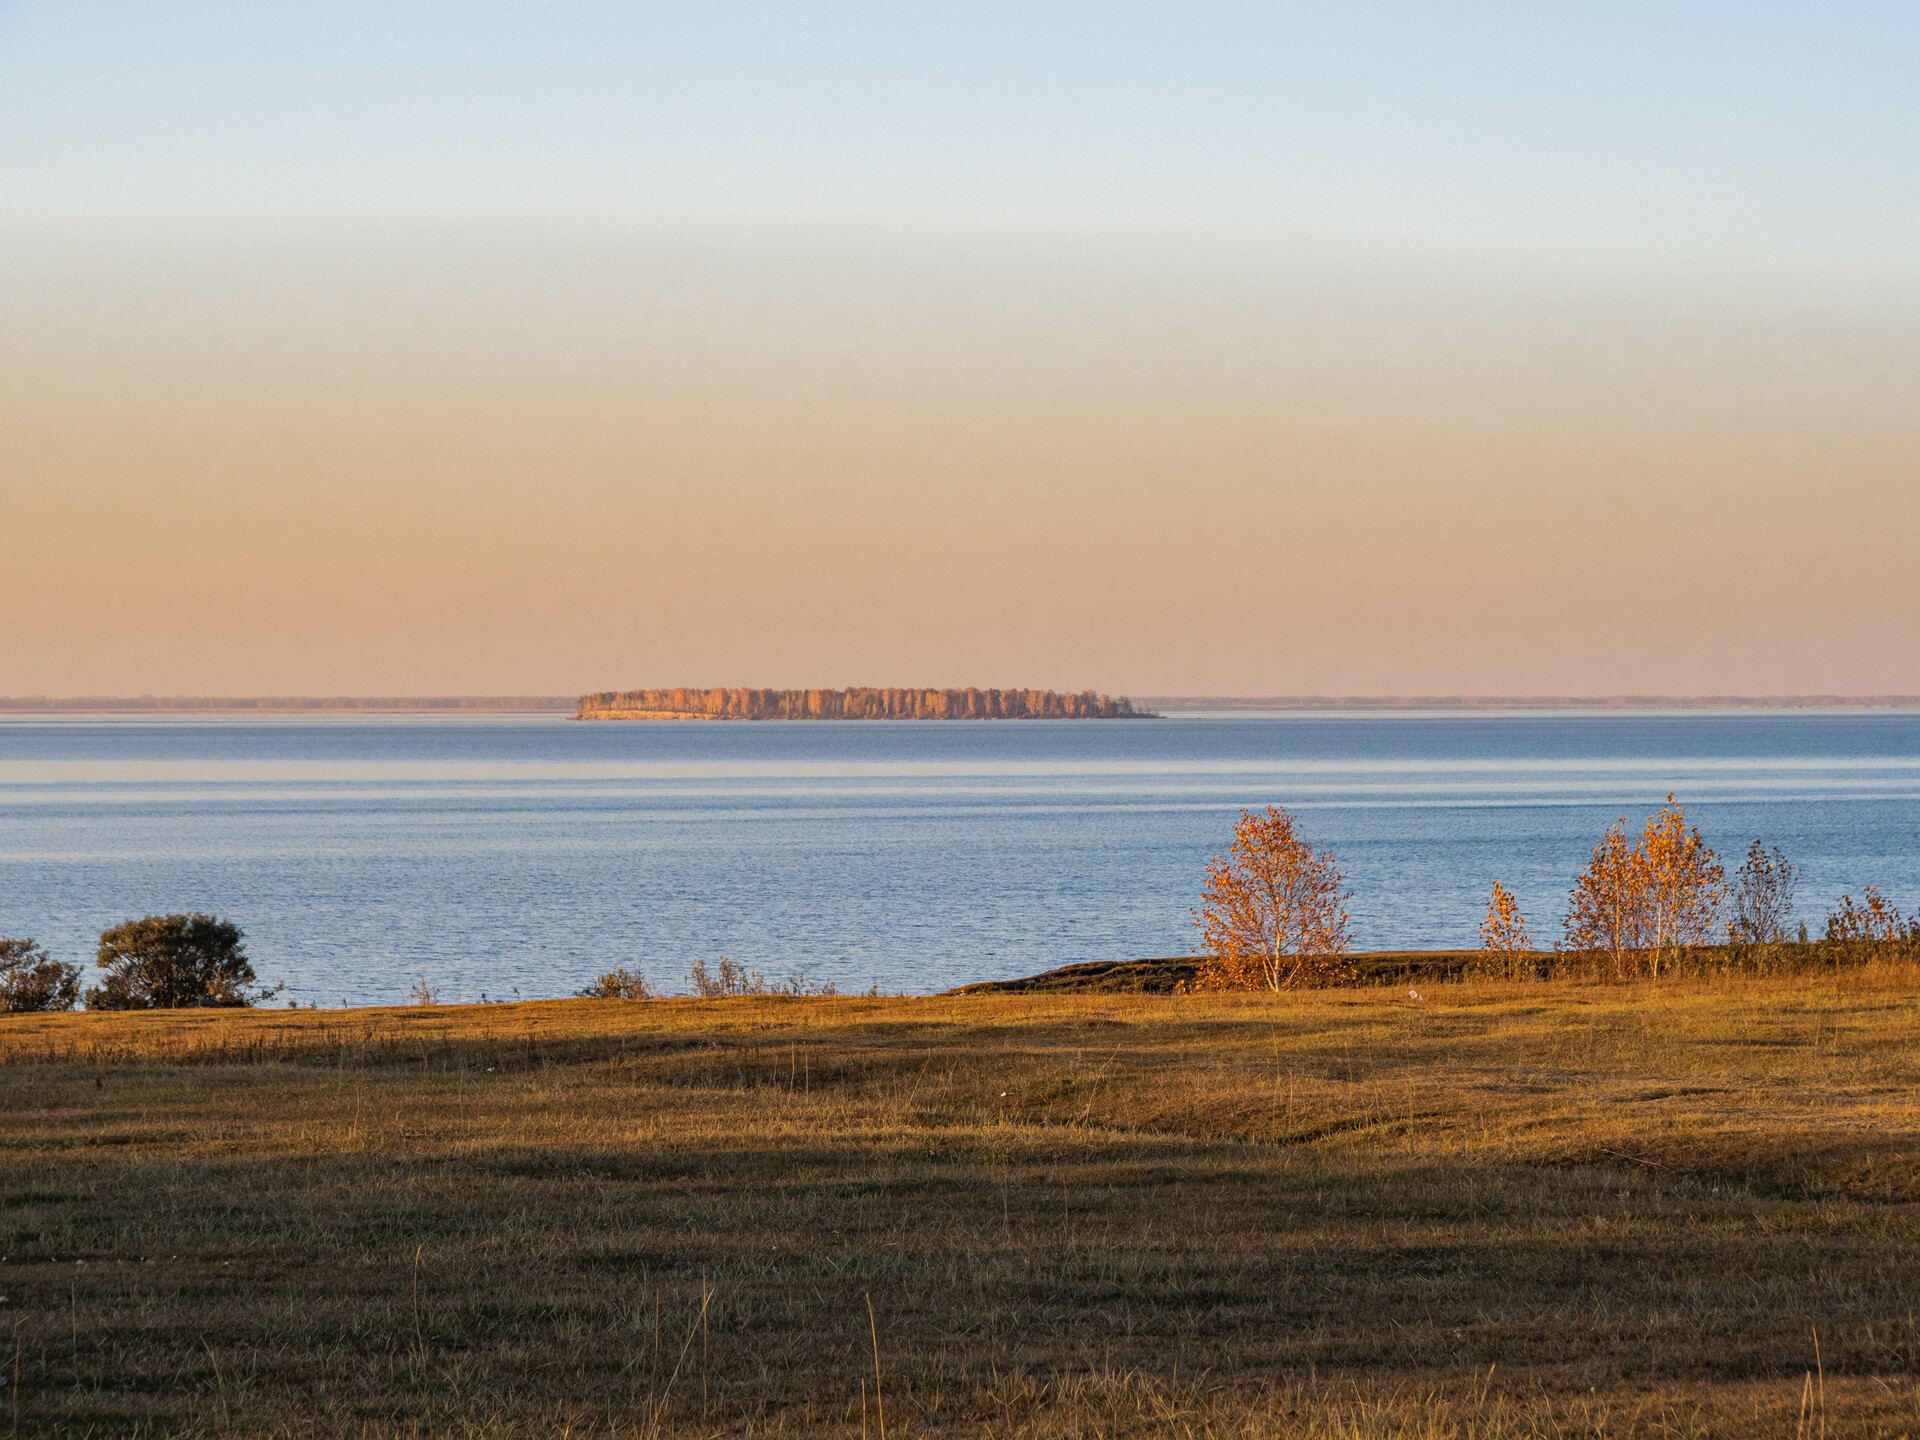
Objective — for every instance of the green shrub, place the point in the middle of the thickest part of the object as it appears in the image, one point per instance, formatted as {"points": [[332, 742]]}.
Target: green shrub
{"points": [[31, 980], [170, 962]]}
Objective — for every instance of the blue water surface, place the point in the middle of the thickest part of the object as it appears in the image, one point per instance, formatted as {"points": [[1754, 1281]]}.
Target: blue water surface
{"points": [[519, 856]]}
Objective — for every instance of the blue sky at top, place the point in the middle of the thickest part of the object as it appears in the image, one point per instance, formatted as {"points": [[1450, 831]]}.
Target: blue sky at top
{"points": [[1723, 138]]}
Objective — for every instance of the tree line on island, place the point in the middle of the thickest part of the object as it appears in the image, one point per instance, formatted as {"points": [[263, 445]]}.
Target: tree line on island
{"points": [[858, 702]]}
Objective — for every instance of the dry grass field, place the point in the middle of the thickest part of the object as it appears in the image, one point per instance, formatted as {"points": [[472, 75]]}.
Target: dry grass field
{"points": [[1502, 1209]]}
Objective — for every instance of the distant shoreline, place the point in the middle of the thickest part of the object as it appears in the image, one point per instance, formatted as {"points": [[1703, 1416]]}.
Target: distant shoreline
{"points": [[1158, 704], [1547, 704], [287, 705]]}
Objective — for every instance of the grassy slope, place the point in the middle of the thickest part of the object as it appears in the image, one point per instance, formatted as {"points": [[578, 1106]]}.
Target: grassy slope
{"points": [[1164, 975], [1511, 1209]]}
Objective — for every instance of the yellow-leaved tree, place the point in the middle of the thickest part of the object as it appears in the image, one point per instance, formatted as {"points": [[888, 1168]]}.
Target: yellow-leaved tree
{"points": [[1685, 885], [1504, 933], [1273, 911], [1651, 898], [1605, 910]]}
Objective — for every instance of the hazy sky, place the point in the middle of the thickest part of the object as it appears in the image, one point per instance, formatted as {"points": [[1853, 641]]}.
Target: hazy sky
{"points": [[405, 349]]}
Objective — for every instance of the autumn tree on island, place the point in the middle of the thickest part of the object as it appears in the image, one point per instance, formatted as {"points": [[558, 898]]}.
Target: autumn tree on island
{"points": [[1273, 912]]}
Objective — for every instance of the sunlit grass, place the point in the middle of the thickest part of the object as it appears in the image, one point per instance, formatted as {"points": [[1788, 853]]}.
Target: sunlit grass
{"points": [[1506, 1209]]}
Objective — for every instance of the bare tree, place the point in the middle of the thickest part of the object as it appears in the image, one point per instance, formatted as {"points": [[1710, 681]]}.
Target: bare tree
{"points": [[1273, 911], [1762, 901]]}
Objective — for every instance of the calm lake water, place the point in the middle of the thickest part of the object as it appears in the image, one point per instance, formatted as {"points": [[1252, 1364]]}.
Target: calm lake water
{"points": [[520, 856]]}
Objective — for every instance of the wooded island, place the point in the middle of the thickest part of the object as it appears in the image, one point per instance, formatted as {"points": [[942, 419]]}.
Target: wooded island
{"points": [[859, 702]]}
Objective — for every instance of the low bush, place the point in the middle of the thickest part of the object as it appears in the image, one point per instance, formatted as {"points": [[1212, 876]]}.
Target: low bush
{"points": [[1872, 929], [620, 983], [730, 977]]}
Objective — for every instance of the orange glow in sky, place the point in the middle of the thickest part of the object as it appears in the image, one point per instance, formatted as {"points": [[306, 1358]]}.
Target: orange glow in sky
{"points": [[937, 433]]}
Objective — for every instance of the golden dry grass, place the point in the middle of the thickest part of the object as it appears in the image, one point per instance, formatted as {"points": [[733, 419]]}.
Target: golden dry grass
{"points": [[1503, 1210]]}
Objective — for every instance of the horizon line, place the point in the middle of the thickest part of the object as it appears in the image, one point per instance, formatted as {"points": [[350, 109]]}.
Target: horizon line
{"points": [[1533, 702], [540, 704]]}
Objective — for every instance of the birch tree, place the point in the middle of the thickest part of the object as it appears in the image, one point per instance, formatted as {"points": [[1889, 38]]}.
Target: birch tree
{"points": [[1685, 886], [1604, 910], [1649, 898], [1273, 911], [1504, 932]]}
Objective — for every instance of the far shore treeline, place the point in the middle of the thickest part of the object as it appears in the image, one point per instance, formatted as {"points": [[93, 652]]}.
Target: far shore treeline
{"points": [[858, 702]]}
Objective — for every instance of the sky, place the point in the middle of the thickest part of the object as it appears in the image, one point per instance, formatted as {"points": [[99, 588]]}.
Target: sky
{"points": [[1352, 349]]}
